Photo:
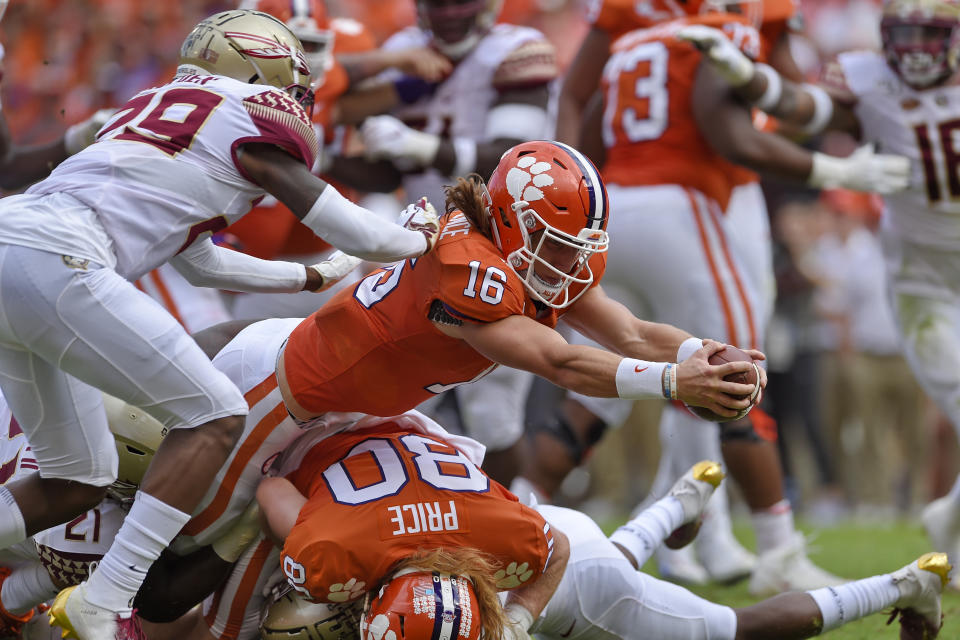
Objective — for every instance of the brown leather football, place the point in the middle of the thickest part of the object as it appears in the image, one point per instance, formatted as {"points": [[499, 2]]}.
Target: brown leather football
{"points": [[751, 376]]}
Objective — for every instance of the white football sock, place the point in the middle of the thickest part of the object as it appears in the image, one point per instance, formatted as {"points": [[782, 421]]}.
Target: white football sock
{"points": [[643, 534], [145, 533], [854, 600], [773, 526], [12, 527], [25, 588]]}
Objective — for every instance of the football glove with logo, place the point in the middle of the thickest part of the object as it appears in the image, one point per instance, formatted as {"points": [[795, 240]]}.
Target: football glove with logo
{"points": [[421, 216]]}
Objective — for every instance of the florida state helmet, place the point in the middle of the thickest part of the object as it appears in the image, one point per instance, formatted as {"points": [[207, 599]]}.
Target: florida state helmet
{"points": [[422, 606], [252, 47], [309, 22], [137, 436], [456, 26], [288, 615], [546, 199], [921, 40]]}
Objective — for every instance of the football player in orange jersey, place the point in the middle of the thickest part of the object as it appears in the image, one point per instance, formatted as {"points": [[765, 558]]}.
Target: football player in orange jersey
{"points": [[669, 126], [361, 517]]}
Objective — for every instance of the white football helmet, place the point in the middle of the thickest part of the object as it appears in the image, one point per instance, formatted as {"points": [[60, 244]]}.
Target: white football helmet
{"points": [[252, 47], [138, 436], [287, 615]]}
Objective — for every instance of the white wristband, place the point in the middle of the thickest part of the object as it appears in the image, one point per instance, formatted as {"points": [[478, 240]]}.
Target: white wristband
{"points": [[640, 379], [466, 154], [771, 95], [688, 347], [822, 110]]}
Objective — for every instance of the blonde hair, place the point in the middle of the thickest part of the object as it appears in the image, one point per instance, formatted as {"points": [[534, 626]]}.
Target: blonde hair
{"points": [[467, 196], [473, 564]]}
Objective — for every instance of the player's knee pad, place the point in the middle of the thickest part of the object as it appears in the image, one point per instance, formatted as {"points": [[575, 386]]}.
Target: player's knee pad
{"points": [[577, 444]]}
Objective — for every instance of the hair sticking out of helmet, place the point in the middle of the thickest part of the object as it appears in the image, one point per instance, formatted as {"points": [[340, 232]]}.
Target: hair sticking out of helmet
{"points": [[252, 47], [444, 593], [548, 208], [921, 40], [456, 26]]}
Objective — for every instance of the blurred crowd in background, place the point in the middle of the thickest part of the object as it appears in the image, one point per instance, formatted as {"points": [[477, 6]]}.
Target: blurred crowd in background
{"points": [[857, 435]]}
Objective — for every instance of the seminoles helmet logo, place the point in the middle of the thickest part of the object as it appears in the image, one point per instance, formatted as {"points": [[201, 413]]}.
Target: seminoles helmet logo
{"points": [[271, 50]]}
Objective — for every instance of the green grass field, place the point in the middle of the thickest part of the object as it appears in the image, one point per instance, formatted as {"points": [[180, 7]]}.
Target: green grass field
{"points": [[854, 551]]}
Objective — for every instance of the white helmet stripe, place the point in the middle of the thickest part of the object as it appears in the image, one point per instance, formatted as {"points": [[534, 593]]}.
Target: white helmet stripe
{"points": [[598, 195]]}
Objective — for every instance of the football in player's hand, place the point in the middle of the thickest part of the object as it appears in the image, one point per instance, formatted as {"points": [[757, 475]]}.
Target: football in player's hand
{"points": [[750, 376]]}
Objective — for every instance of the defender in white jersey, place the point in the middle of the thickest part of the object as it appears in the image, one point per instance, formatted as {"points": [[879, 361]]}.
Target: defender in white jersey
{"points": [[495, 97], [174, 164], [908, 101]]}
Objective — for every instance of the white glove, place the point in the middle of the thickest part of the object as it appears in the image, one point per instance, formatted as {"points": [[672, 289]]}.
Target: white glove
{"points": [[421, 216], [81, 135], [735, 67], [334, 269], [864, 170], [519, 621], [386, 138]]}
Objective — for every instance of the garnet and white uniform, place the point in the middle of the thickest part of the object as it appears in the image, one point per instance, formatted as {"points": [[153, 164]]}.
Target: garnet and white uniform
{"points": [[920, 226], [163, 174], [61, 554], [507, 57]]}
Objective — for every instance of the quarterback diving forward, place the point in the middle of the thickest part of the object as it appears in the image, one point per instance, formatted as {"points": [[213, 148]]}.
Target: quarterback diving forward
{"points": [[174, 164]]}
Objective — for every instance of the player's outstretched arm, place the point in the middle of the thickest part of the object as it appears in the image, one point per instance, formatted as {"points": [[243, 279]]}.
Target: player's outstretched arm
{"points": [[522, 343], [805, 105], [727, 125], [348, 227]]}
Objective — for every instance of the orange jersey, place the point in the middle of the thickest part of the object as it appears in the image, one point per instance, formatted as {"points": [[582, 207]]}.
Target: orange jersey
{"points": [[378, 495], [375, 348], [648, 124]]}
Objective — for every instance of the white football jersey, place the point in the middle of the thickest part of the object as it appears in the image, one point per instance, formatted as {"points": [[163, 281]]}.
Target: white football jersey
{"points": [[923, 126], [163, 172], [459, 106]]}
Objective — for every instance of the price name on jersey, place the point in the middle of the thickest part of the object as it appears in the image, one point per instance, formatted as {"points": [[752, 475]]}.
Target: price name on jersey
{"points": [[424, 517]]}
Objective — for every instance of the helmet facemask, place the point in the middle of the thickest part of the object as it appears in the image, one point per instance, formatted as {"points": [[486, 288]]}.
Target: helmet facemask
{"points": [[456, 28], [546, 281], [923, 55]]}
